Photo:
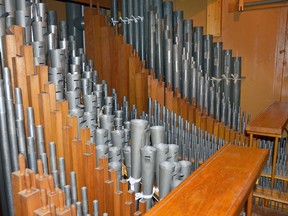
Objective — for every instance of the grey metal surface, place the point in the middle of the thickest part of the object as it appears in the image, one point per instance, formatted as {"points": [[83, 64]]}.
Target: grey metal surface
{"points": [[166, 171], [5, 152], [148, 162], [139, 136]]}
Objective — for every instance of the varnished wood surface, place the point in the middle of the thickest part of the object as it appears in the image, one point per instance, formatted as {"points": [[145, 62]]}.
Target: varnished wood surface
{"points": [[221, 186], [270, 121]]}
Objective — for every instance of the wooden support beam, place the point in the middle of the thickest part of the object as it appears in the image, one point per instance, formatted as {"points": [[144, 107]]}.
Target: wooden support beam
{"points": [[27, 53], [118, 200], [67, 142], [99, 190], [134, 66], [42, 181], [109, 191], [214, 17], [105, 34], [45, 120], [18, 32], [89, 178], [63, 107], [77, 165], [29, 197], [50, 88], [42, 72], [57, 125]]}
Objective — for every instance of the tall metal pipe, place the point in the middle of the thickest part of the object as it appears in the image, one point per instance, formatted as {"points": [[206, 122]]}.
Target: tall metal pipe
{"points": [[198, 46], [228, 70], [148, 162], [32, 158], [10, 115], [5, 151], [19, 114], [124, 14], [208, 55], [74, 11], [237, 83], [139, 136]]}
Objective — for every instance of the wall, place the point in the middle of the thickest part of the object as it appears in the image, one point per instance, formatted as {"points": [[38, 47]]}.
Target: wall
{"points": [[254, 36]]}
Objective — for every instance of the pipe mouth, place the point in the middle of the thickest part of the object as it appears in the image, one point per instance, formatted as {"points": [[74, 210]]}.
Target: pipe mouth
{"points": [[157, 127], [149, 148], [185, 164], [173, 147], [162, 146], [168, 165], [139, 121]]}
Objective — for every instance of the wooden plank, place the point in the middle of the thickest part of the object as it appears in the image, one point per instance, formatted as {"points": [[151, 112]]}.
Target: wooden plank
{"points": [[270, 121], [57, 125], [134, 80], [85, 137], [284, 90], [50, 88], [142, 206], [99, 190], [115, 44], [63, 107], [109, 189], [77, 165], [124, 189], [161, 93], [144, 85], [169, 97], [118, 200], [42, 72], [18, 31], [73, 122], [89, 178], [204, 192], [29, 198], [124, 54], [89, 36], [18, 183], [106, 33], [67, 142], [45, 120], [280, 55], [214, 17], [27, 53]]}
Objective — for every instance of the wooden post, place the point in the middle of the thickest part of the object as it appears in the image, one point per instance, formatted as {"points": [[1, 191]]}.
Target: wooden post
{"points": [[45, 120], [44, 210], [52, 194], [57, 125], [42, 72], [89, 178], [42, 181], [118, 203], [109, 200], [77, 165], [99, 189], [29, 197], [67, 142]]}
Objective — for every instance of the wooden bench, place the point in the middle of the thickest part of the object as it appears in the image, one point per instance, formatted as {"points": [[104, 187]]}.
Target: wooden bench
{"points": [[221, 186]]}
